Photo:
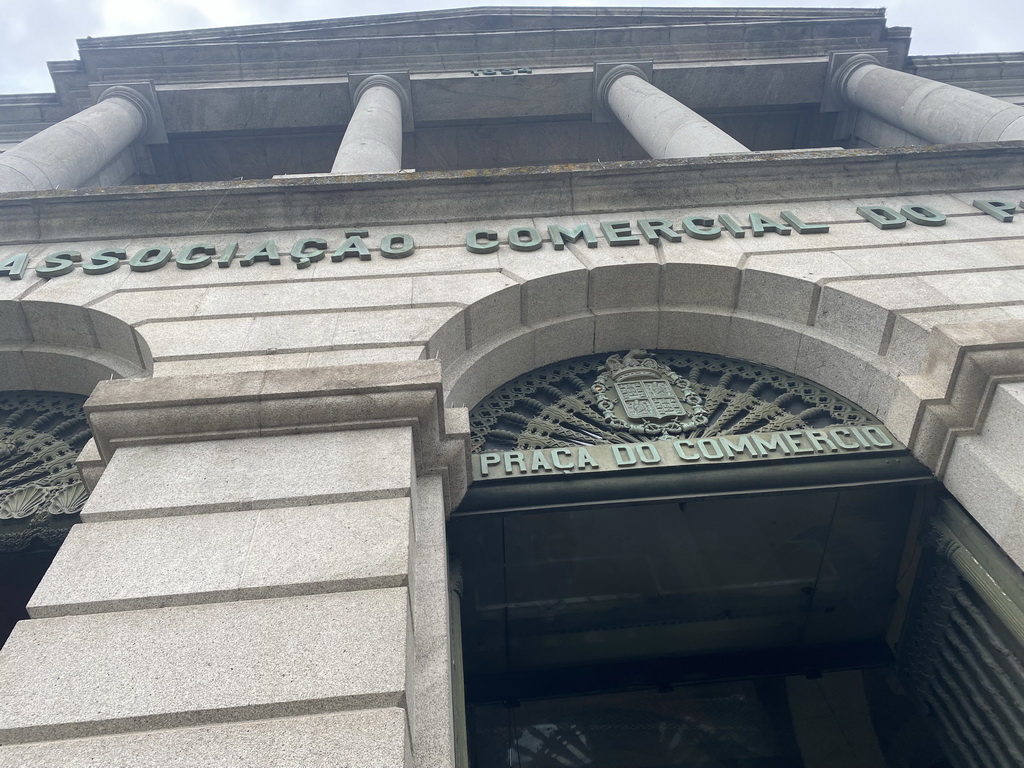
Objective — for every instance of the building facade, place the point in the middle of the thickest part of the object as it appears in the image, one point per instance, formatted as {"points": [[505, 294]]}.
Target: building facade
{"points": [[346, 295]]}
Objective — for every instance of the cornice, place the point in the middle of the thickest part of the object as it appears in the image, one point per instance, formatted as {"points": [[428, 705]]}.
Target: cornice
{"points": [[462, 43], [163, 410], [592, 188], [461, 20]]}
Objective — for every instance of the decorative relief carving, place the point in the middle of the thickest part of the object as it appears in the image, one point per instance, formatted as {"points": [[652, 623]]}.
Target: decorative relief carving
{"points": [[41, 493], [637, 393], [638, 396], [960, 653]]}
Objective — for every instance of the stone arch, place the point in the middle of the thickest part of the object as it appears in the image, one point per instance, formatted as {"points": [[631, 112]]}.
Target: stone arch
{"points": [[859, 375], [49, 347], [928, 400], [835, 361], [54, 347]]}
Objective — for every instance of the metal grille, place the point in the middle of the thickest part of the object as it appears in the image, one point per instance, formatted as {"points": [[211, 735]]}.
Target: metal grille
{"points": [[565, 404], [41, 493], [961, 656]]}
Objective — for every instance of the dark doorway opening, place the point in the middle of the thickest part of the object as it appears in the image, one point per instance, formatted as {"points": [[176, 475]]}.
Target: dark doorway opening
{"points": [[748, 631]]}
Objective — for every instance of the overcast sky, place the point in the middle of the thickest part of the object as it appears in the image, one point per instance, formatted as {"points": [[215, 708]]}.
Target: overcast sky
{"points": [[33, 32]]}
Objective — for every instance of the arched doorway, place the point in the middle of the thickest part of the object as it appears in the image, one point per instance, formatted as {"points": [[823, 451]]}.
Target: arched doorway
{"points": [[674, 558], [41, 492], [52, 355]]}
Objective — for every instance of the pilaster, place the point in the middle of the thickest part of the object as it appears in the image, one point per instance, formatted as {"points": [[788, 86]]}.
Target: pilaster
{"points": [[258, 546]]}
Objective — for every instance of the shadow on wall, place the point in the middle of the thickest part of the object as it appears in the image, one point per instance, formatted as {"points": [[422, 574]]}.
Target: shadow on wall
{"points": [[52, 347]]}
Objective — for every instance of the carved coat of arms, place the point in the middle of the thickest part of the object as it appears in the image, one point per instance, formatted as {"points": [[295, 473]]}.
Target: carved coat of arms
{"points": [[637, 393]]}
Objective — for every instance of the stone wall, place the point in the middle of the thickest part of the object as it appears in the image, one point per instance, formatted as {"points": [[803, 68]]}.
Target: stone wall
{"points": [[262, 570]]}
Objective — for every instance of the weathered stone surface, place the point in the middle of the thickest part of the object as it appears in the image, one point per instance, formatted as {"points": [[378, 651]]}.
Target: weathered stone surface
{"points": [[295, 412], [70, 153], [281, 402], [431, 711], [253, 473], [662, 125], [220, 557], [372, 738], [174, 667], [373, 138], [940, 114], [983, 472]]}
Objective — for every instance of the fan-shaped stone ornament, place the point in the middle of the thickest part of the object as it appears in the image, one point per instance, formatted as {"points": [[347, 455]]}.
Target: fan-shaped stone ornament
{"points": [[640, 396], [41, 493]]}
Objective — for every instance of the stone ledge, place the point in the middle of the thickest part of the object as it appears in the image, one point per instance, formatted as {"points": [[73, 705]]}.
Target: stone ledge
{"points": [[90, 465], [165, 410], [586, 188]]}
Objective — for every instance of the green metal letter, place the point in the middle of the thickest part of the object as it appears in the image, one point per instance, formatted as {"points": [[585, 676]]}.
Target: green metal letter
{"points": [[619, 233], [731, 225], [397, 246], [704, 228], [924, 215], [802, 227], [882, 216], [228, 256], [482, 241], [266, 252], [653, 229], [759, 224], [14, 267], [524, 239], [104, 261], [353, 246], [304, 258], [57, 264], [560, 235], [999, 209], [195, 256], [148, 259]]}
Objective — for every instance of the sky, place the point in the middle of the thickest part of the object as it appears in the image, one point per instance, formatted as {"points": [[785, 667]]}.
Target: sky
{"points": [[33, 32]]}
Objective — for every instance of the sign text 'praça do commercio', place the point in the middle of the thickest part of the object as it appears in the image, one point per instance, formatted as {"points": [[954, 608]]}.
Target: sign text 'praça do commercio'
{"points": [[718, 450], [308, 250]]}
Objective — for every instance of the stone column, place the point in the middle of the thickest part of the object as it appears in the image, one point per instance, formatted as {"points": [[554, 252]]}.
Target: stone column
{"points": [[663, 126], [69, 153], [938, 113], [373, 139]]}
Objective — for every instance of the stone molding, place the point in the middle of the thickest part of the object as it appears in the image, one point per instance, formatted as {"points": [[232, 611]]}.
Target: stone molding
{"points": [[59, 347], [952, 395], [90, 465], [919, 61], [395, 81], [552, 40], [606, 73], [268, 204], [163, 410]]}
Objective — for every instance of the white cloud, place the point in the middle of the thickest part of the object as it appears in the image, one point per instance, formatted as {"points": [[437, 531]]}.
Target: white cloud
{"points": [[127, 17]]}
